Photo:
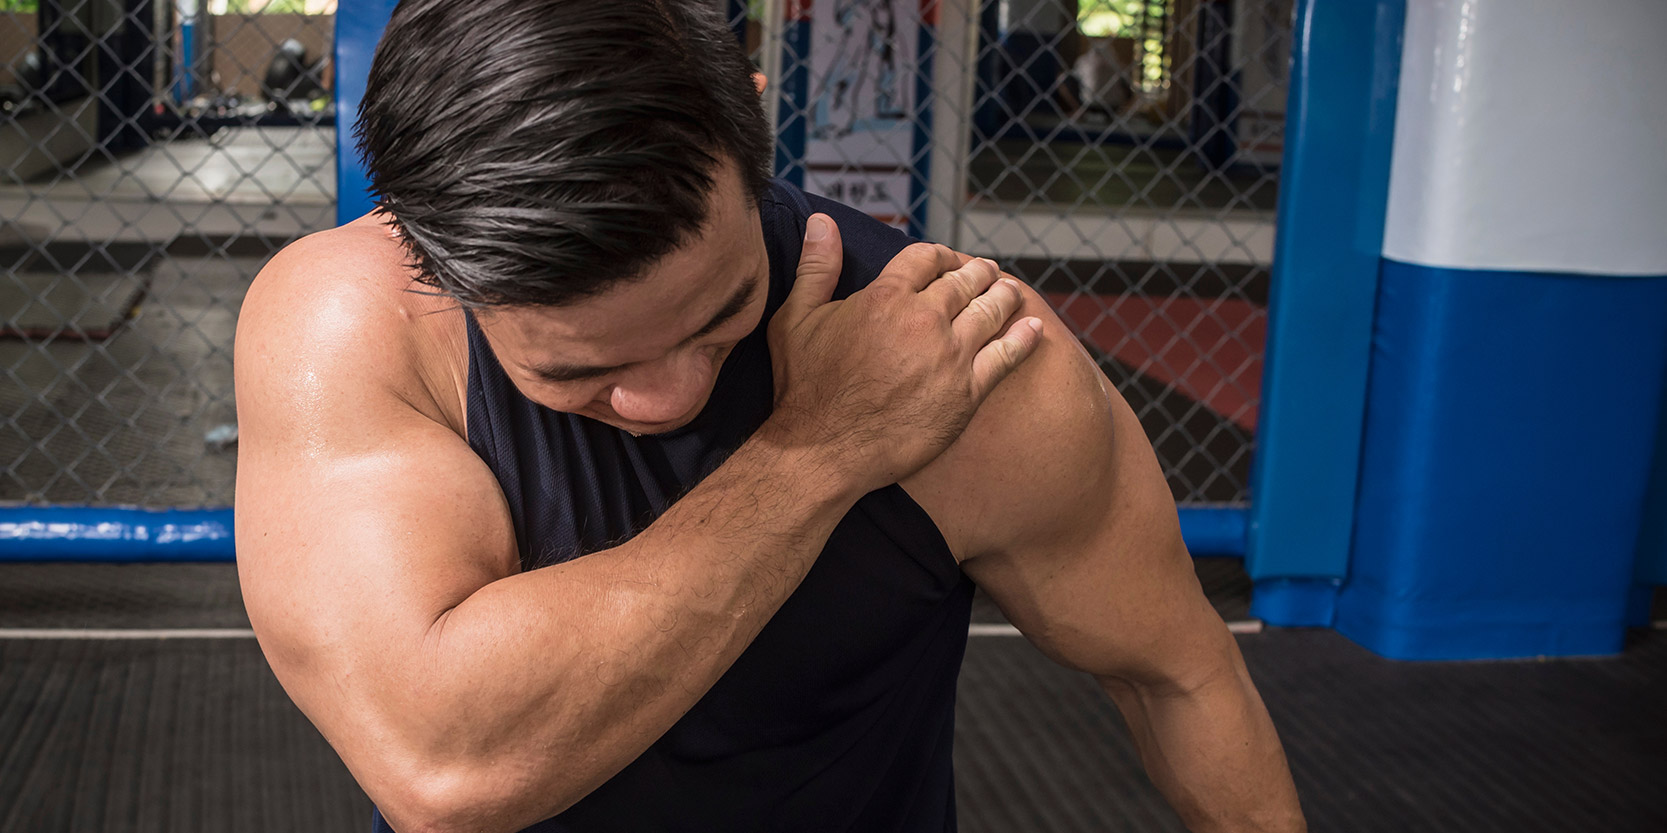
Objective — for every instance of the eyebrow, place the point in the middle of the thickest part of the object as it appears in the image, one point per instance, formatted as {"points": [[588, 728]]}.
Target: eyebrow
{"points": [[558, 372]]}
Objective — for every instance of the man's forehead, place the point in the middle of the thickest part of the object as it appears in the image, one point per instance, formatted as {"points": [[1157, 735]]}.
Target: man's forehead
{"points": [[674, 299], [693, 281]]}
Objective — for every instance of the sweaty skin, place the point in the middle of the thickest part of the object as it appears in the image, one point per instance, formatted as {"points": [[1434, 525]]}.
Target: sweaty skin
{"points": [[380, 570]]}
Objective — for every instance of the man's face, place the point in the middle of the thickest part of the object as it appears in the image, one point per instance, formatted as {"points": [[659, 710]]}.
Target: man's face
{"points": [[644, 354]]}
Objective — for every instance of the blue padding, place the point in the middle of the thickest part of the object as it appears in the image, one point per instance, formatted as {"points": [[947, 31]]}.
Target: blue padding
{"points": [[1214, 530], [1503, 474], [1295, 602], [75, 533], [1333, 193], [359, 26], [85, 533]]}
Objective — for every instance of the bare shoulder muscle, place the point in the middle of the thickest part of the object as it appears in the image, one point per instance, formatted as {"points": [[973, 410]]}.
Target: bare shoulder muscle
{"points": [[362, 512], [1041, 451], [1055, 504]]}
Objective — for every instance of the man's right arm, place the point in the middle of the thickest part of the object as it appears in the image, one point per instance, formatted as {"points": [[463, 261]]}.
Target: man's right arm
{"points": [[379, 563]]}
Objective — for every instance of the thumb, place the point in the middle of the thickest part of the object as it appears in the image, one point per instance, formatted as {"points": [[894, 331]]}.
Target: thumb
{"points": [[819, 266]]}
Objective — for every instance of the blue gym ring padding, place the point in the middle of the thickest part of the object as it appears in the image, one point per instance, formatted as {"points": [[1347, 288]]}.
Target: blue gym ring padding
{"points": [[131, 534], [114, 534]]}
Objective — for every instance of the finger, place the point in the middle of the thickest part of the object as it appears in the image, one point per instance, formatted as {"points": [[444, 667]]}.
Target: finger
{"points": [[918, 265], [819, 265], [985, 316], [1004, 355], [955, 290]]}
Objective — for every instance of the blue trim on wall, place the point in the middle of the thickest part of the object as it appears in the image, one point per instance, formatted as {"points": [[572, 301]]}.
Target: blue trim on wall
{"points": [[359, 26], [1332, 199], [1214, 530], [1502, 479], [114, 534]]}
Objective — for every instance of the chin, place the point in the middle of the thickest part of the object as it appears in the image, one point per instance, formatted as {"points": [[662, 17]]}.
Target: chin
{"points": [[636, 429]]}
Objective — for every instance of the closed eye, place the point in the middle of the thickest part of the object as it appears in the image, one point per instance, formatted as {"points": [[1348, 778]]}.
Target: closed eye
{"points": [[557, 372]]}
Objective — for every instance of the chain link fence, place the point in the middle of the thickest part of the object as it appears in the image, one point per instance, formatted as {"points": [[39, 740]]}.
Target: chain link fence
{"points": [[1120, 155], [154, 155]]}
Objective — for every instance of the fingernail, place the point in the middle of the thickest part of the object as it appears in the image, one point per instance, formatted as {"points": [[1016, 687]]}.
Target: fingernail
{"points": [[1035, 324], [816, 228]]}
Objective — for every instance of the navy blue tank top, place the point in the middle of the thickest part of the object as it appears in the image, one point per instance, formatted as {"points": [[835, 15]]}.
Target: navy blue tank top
{"points": [[840, 715]]}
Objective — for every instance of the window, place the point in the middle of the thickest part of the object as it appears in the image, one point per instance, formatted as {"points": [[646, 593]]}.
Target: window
{"points": [[270, 6]]}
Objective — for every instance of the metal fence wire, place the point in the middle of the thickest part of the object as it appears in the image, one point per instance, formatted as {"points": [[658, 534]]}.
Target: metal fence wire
{"points": [[1120, 155]]}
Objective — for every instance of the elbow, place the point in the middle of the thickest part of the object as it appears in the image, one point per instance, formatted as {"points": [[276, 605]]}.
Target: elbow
{"points": [[432, 801], [451, 799], [445, 799]]}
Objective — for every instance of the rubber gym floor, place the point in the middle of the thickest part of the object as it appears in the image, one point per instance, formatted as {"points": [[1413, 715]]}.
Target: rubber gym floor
{"points": [[194, 734]]}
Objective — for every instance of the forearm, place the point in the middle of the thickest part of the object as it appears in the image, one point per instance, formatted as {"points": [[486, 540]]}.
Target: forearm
{"points": [[548, 682], [1212, 750]]}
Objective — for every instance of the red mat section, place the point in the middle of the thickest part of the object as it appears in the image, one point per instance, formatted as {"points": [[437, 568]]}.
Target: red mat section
{"points": [[1209, 349]]}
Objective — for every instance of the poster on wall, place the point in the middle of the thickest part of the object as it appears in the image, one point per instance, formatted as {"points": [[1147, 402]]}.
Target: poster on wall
{"points": [[861, 113]]}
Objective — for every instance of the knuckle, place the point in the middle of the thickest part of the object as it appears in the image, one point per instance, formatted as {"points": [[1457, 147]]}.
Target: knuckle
{"points": [[1008, 302], [879, 293], [920, 321], [1007, 356], [922, 253], [1010, 299]]}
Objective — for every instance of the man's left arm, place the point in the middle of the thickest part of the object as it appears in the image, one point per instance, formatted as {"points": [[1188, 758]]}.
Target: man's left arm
{"points": [[1055, 503]]}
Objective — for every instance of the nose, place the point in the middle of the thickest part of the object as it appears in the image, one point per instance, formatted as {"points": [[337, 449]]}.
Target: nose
{"points": [[664, 390]]}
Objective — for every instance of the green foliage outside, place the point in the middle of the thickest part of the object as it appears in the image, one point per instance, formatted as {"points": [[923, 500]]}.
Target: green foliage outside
{"points": [[272, 7], [27, 6], [1113, 18]]}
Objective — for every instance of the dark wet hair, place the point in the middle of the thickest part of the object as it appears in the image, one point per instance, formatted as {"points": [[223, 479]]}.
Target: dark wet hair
{"points": [[536, 152]]}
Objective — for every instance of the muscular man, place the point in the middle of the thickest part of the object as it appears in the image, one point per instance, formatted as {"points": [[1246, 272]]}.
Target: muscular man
{"points": [[568, 499]]}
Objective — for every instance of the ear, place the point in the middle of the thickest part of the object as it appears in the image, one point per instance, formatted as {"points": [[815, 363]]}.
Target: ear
{"points": [[758, 80]]}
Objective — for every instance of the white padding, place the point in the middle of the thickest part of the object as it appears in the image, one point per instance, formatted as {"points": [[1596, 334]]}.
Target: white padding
{"points": [[1532, 135]]}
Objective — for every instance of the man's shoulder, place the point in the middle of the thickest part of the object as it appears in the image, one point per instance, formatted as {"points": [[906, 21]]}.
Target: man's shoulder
{"points": [[358, 262], [1039, 446], [870, 243], [338, 305]]}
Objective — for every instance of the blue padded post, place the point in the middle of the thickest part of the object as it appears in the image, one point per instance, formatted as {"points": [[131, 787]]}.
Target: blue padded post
{"points": [[1507, 434], [1333, 192], [359, 27]]}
